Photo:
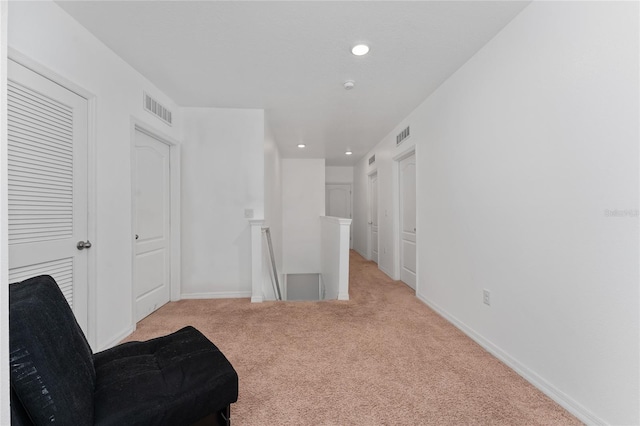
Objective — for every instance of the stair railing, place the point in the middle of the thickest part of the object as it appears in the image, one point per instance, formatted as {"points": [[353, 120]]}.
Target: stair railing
{"points": [[274, 275]]}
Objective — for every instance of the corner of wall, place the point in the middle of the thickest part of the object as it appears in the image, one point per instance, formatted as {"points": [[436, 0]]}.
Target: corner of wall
{"points": [[5, 417]]}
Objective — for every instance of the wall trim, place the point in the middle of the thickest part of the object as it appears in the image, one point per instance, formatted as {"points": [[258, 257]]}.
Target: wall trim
{"points": [[360, 253], [386, 271], [24, 60], [218, 295], [337, 220], [405, 154], [564, 400]]}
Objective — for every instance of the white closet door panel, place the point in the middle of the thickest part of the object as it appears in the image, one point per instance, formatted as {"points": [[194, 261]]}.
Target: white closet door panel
{"points": [[408, 221], [47, 184], [152, 214], [40, 178], [61, 270], [35, 143], [32, 96]]}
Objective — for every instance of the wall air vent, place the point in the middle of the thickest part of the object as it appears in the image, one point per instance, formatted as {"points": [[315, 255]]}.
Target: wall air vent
{"points": [[372, 159], [402, 136], [157, 109]]}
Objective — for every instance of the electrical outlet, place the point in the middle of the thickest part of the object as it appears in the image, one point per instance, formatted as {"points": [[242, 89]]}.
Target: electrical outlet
{"points": [[248, 213], [486, 297]]}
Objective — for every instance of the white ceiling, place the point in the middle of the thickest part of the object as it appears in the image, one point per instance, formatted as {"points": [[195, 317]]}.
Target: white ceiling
{"points": [[292, 57]]}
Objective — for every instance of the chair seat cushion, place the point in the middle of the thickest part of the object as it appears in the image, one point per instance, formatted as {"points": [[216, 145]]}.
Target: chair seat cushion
{"points": [[172, 380]]}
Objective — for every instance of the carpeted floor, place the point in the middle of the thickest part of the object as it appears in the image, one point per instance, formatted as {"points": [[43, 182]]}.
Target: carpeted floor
{"points": [[382, 358]]}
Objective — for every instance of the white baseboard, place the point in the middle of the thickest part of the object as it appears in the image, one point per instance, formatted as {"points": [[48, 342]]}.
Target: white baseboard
{"points": [[564, 400], [360, 253], [389, 274], [117, 339], [217, 295]]}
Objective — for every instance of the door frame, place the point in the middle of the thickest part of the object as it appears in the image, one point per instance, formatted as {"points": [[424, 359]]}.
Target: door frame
{"points": [[369, 207], [396, 207], [92, 198], [174, 220]]}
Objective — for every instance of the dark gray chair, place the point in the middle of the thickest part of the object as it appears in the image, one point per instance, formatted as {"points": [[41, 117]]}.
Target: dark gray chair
{"points": [[178, 379]]}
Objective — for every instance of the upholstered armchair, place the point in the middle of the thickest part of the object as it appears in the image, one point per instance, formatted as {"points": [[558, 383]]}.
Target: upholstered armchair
{"points": [[178, 379]]}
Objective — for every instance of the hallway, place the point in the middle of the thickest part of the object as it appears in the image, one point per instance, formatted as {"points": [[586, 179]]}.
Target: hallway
{"points": [[381, 358]]}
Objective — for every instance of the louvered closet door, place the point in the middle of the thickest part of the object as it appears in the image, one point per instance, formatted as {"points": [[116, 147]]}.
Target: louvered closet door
{"points": [[47, 155]]}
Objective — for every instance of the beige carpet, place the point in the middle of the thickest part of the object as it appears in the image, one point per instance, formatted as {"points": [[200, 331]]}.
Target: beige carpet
{"points": [[383, 358]]}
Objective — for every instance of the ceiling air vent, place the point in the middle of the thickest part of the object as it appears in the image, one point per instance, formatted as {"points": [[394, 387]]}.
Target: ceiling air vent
{"points": [[157, 109], [372, 159], [402, 136]]}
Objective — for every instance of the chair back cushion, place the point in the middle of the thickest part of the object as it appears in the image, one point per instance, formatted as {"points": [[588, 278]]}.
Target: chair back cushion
{"points": [[52, 370]]}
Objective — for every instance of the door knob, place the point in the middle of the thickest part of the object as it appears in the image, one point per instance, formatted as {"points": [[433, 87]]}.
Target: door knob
{"points": [[370, 223], [137, 236], [83, 245]]}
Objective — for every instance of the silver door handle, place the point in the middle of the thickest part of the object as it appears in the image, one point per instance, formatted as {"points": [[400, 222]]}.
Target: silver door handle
{"points": [[370, 223], [83, 245]]}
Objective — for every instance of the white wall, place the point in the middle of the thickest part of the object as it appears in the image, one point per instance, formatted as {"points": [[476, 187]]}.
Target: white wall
{"points": [[360, 211], [222, 175], [388, 206], [335, 174], [341, 174], [520, 155], [272, 208], [335, 257], [303, 200], [46, 34]]}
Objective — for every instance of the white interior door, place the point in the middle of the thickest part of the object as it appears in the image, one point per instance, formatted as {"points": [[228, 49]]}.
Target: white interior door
{"points": [[152, 216], [373, 217], [408, 221], [47, 183]]}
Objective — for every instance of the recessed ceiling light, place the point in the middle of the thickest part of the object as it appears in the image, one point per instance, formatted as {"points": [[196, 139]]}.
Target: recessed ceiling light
{"points": [[360, 49], [348, 152], [301, 145]]}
